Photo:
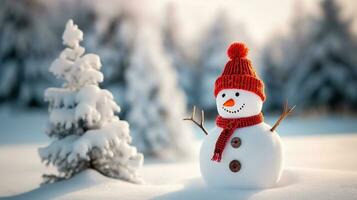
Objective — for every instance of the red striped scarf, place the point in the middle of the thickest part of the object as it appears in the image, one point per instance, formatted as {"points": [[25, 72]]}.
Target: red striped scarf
{"points": [[229, 126]]}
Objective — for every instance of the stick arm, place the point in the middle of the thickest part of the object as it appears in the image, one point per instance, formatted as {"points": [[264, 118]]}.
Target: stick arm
{"points": [[286, 112], [200, 123]]}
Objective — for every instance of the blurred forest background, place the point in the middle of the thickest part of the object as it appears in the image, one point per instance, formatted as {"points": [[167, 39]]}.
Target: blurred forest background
{"points": [[309, 58]]}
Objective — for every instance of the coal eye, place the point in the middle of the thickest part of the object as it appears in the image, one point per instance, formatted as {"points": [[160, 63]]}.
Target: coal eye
{"points": [[237, 94], [223, 95]]}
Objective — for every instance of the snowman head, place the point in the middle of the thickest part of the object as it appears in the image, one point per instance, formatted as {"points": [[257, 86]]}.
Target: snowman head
{"points": [[239, 92], [237, 103]]}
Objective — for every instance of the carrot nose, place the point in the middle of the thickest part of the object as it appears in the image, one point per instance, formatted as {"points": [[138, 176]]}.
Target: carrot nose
{"points": [[229, 103]]}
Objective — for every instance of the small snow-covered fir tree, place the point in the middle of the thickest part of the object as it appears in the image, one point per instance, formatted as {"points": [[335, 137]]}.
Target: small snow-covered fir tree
{"points": [[156, 103], [86, 132]]}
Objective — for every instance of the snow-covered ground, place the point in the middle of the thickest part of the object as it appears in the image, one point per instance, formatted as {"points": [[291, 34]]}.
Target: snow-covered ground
{"points": [[318, 166]]}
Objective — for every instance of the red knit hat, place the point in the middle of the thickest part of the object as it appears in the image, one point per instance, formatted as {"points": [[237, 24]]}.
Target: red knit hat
{"points": [[239, 73]]}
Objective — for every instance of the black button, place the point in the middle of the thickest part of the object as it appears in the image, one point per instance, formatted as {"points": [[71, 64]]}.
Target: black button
{"points": [[234, 166], [236, 142]]}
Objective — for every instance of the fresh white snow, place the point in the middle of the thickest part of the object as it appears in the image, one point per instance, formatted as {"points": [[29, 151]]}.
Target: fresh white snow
{"points": [[317, 167]]}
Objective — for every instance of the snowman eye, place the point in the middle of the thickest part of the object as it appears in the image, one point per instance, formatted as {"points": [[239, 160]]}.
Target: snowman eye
{"points": [[237, 94], [223, 95]]}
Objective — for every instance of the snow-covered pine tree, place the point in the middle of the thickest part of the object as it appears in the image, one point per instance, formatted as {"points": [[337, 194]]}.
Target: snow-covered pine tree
{"points": [[213, 57], [282, 54], [273, 76], [324, 75], [26, 45], [86, 132], [156, 103], [178, 52]]}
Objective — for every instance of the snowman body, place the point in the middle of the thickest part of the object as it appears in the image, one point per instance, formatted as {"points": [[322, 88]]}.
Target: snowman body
{"points": [[256, 148], [252, 157]]}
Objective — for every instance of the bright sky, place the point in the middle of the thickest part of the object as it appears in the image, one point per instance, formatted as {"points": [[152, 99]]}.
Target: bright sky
{"points": [[261, 18]]}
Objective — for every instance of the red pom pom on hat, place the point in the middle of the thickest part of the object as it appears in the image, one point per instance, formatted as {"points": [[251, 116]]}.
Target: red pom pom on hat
{"points": [[237, 50]]}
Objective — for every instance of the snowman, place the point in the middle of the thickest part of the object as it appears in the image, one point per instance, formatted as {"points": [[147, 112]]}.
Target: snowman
{"points": [[241, 151]]}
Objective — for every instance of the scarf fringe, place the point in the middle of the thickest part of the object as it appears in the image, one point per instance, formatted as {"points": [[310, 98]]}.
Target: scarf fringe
{"points": [[217, 157]]}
